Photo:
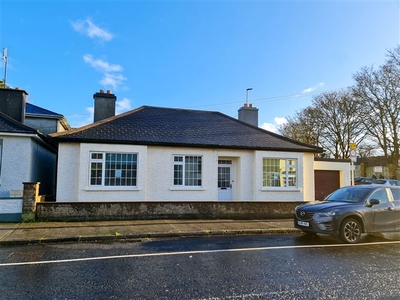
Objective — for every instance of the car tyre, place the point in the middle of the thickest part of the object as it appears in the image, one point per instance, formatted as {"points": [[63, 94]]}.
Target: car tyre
{"points": [[350, 231]]}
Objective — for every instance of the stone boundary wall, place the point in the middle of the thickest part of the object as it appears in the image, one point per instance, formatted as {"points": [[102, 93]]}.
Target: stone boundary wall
{"points": [[103, 211]]}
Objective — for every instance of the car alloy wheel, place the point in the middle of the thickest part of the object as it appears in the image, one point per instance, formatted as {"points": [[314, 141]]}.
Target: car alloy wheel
{"points": [[350, 231]]}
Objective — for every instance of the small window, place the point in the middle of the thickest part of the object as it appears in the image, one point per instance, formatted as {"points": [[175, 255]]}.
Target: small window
{"points": [[278, 172], [187, 170]]}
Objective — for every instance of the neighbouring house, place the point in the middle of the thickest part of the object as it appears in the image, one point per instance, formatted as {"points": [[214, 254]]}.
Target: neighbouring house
{"points": [[167, 154], [26, 155], [45, 120]]}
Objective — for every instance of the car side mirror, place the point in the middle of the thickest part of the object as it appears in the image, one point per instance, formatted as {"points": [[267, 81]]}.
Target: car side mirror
{"points": [[373, 202]]}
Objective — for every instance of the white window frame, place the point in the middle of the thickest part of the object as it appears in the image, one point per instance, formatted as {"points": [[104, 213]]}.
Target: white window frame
{"points": [[181, 160], [102, 161], [282, 177]]}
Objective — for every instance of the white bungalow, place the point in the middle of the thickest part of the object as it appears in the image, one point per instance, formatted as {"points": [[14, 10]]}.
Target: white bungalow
{"points": [[167, 154]]}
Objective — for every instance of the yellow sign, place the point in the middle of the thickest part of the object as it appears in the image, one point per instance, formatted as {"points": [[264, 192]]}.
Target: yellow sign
{"points": [[353, 146]]}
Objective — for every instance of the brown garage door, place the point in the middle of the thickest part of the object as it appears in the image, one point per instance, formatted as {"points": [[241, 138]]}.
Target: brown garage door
{"points": [[325, 183]]}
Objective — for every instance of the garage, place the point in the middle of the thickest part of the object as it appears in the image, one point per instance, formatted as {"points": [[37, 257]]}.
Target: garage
{"points": [[325, 183]]}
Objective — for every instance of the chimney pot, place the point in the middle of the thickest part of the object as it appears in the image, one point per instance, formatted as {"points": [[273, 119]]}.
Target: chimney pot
{"points": [[245, 105], [250, 105], [104, 105]]}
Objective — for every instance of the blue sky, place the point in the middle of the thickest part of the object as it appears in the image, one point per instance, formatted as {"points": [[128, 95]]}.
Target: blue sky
{"points": [[191, 54]]}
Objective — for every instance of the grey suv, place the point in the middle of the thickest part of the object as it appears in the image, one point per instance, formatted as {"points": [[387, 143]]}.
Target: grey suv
{"points": [[351, 211]]}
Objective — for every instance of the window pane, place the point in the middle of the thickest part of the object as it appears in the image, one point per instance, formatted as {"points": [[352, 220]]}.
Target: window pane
{"points": [[119, 169], [279, 172], [224, 177], [187, 170], [178, 174], [192, 171], [95, 173]]}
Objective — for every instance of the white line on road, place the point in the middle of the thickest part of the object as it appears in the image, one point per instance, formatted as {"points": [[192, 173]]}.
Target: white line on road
{"points": [[189, 253]]}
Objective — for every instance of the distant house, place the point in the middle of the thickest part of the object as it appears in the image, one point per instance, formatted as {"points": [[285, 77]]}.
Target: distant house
{"points": [[25, 152], [168, 154], [373, 166]]}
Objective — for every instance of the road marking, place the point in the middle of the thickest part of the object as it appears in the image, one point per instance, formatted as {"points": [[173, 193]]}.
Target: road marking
{"points": [[190, 253]]}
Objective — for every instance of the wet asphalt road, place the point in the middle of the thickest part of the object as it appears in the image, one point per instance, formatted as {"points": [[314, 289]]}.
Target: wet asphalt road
{"points": [[252, 267]]}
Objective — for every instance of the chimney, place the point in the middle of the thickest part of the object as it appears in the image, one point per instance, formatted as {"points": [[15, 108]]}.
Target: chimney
{"points": [[104, 105], [13, 103], [248, 114]]}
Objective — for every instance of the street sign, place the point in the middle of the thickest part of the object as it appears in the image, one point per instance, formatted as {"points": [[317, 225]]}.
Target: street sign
{"points": [[353, 153], [353, 146]]}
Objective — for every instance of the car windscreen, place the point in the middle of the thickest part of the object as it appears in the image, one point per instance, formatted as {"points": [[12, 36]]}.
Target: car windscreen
{"points": [[352, 195]]}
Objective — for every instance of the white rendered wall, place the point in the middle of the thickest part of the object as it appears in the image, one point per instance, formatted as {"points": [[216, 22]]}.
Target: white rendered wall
{"points": [[68, 173], [160, 174], [74, 168], [155, 175], [10, 206], [16, 163]]}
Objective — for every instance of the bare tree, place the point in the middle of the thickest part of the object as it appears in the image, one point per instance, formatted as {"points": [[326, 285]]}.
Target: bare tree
{"points": [[303, 127], [379, 91], [338, 112]]}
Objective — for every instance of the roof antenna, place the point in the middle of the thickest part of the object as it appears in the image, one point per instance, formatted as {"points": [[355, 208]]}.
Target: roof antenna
{"points": [[5, 58], [247, 95]]}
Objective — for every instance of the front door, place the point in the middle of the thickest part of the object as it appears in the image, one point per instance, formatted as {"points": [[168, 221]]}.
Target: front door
{"points": [[225, 180]]}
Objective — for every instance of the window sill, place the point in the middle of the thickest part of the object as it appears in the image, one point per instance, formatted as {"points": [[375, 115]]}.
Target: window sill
{"points": [[186, 188], [112, 189], [280, 190]]}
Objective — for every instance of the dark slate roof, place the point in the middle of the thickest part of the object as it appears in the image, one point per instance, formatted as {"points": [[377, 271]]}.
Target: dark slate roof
{"points": [[149, 125], [36, 110], [10, 125]]}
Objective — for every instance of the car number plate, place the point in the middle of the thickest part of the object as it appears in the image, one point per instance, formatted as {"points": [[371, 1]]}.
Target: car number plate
{"points": [[301, 223]]}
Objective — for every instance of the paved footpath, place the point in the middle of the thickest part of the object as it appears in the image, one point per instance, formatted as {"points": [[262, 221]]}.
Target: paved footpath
{"points": [[51, 232]]}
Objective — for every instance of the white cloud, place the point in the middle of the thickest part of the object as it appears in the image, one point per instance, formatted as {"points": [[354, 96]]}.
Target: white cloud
{"points": [[113, 80], [280, 121], [101, 65], [311, 89], [88, 28], [269, 126], [123, 106], [111, 77], [273, 127]]}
